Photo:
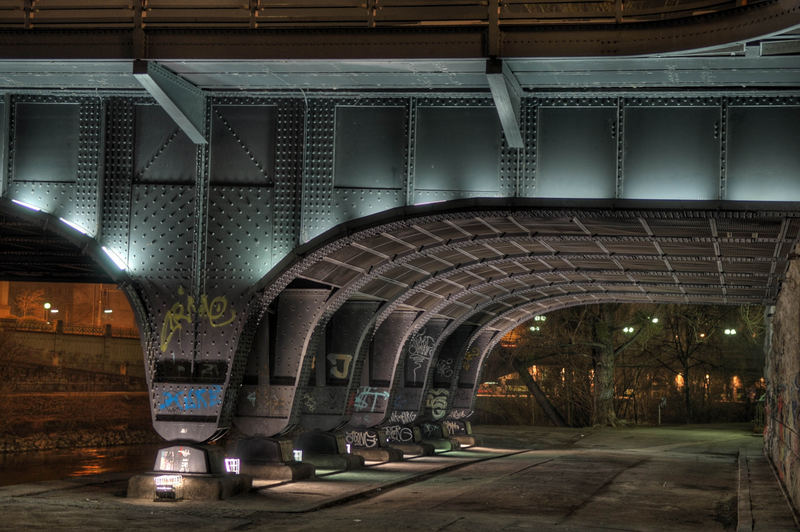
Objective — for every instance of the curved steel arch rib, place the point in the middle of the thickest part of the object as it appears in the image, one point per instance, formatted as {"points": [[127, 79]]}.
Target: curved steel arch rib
{"points": [[633, 247]]}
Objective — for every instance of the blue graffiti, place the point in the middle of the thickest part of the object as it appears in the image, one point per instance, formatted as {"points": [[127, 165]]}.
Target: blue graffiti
{"points": [[193, 398]]}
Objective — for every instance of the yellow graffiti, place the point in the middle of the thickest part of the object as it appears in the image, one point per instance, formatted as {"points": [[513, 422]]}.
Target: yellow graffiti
{"points": [[468, 359], [215, 311]]}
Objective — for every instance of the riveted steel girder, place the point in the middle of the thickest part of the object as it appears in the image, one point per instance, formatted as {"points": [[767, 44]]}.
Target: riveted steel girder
{"points": [[332, 385]]}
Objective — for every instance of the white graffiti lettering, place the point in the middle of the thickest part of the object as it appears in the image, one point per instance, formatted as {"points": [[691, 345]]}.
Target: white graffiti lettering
{"points": [[365, 438], [399, 433], [420, 350], [453, 427], [403, 416], [445, 368]]}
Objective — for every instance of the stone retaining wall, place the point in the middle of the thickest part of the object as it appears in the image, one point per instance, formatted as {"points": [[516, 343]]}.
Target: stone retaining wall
{"points": [[782, 372]]}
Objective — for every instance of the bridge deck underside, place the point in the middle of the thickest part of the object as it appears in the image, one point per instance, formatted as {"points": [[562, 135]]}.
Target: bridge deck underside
{"points": [[504, 267]]}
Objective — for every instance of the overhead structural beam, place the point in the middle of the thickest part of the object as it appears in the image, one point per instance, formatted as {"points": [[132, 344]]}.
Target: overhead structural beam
{"points": [[506, 93], [183, 102]]}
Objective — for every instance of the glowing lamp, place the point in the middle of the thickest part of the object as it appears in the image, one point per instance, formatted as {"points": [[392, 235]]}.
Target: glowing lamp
{"points": [[232, 465], [297, 454], [169, 487]]}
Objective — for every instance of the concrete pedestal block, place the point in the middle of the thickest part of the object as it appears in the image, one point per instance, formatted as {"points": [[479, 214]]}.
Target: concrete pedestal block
{"points": [[194, 487], [344, 462], [380, 454], [279, 471], [465, 441], [443, 444], [416, 449]]}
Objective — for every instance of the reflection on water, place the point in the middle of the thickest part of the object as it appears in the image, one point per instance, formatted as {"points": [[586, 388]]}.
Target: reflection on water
{"points": [[57, 464]]}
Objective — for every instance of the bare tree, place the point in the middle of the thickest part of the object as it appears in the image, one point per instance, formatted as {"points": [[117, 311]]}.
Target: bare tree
{"points": [[29, 301]]}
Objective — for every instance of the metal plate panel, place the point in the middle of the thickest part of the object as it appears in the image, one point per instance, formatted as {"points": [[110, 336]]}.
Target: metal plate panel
{"points": [[46, 140], [240, 229], [576, 154], [763, 153], [458, 148], [672, 153], [351, 203], [243, 143], [370, 147], [162, 152]]}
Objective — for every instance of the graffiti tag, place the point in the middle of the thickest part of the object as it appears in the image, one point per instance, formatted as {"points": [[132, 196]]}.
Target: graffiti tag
{"points": [[216, 311], [339, 371], [399, 433], [444, 367], [437, 402], [359, 438], [404, 416], [365, 393], [192, 398], [420, 350]]}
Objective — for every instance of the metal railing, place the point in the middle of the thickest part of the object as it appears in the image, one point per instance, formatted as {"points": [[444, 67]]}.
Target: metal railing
{"points": [[29, 325], [176, 14]]}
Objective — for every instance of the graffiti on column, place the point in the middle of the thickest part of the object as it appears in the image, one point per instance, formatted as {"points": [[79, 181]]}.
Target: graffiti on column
{"points": [[399, 433], [420, 350], [444, 368], [405, 417], [454, 427], [340, 365], [309, 402], [471, 354], [192, 398], [215, 311], [367, 398], [436, 400], [460, 413], [362, 438]]}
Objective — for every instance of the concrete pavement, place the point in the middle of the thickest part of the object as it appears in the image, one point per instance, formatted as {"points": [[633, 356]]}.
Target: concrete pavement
{"points": [[521, 478]]}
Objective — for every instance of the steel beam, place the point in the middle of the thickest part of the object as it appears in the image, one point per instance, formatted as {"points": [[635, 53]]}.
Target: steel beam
{"points": [[507, 94], [183, 102]]}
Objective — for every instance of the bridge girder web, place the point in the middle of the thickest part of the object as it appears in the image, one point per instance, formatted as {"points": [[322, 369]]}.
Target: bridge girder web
{"points": [[208, 235]]}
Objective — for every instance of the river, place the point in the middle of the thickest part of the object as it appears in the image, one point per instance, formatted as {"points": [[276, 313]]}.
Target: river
{"points": [[56, 464]]}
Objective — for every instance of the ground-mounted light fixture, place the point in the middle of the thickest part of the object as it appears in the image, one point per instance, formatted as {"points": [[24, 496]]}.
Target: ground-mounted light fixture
{"points": [[168, 487], [232, 465]]}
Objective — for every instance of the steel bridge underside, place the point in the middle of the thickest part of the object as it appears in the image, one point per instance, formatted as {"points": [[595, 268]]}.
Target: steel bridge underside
{"points": [[318, 240]]}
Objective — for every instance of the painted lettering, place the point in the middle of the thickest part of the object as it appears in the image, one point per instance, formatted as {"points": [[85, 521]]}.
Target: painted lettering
{"points": [[192, 398], [340, 365], [368, 397], [215, 311], [362, 438]]}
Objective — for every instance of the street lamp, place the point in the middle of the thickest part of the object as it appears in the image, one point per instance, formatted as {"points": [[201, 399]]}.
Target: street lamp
{"points": [[46, 308], [730, 332], [628, 330]]}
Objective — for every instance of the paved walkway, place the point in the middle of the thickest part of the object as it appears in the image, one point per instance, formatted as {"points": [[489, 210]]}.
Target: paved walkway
{"points": [[522, 478]]}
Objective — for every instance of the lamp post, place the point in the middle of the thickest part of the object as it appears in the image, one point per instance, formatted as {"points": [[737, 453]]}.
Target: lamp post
{"points": [[46, 311]]}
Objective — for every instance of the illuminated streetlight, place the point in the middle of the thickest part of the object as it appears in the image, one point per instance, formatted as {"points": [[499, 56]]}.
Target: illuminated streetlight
{"points": [[654, 320], [628, 330], [730, 332], [539, 318], [534, 328]]}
